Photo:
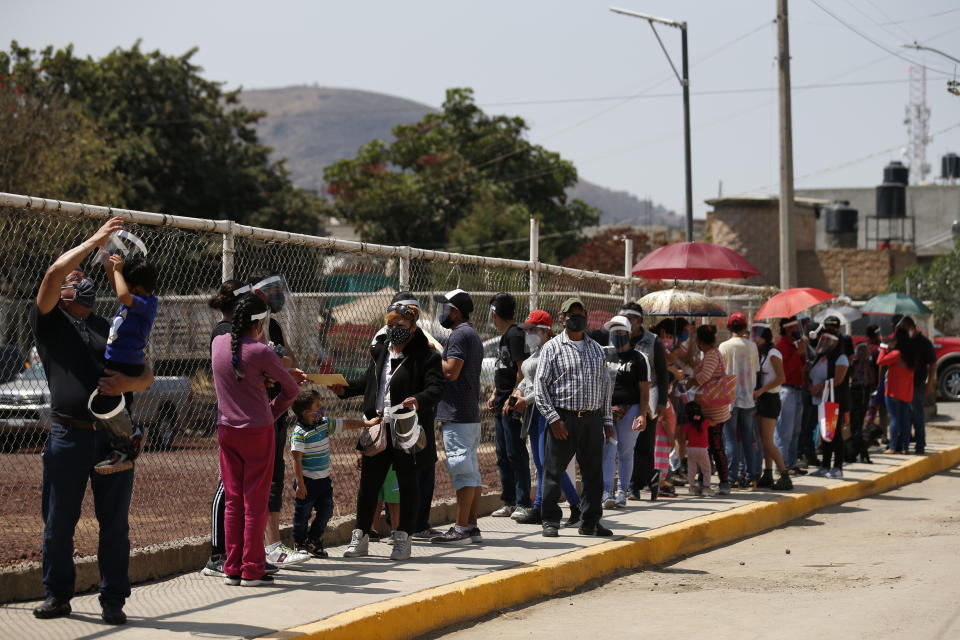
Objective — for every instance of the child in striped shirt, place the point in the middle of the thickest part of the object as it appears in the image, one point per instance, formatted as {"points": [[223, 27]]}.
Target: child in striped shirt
{"points": [[310, 445]]}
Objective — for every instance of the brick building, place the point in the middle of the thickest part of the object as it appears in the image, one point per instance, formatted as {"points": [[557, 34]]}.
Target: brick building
{"points": [[750, 225]]}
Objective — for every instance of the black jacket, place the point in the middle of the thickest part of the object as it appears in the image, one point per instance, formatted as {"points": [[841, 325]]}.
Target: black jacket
{"points": [[421, 376]]}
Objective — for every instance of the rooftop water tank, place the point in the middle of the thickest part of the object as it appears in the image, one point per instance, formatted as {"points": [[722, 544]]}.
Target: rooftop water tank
{"points": [[950, 166], [841, 224], [896, 173]]}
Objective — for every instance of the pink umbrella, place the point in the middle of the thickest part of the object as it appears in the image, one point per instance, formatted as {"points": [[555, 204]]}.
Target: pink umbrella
{"points": [[693, 261], [791, 302]]}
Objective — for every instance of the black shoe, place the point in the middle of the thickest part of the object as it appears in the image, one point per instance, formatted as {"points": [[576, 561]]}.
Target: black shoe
{"points": [[654, 486], [595, 530], [531, 516], [766, 479], [113, 613], [52, 608], [550, 530], [668, 491], [575, 516], [784, 483]]}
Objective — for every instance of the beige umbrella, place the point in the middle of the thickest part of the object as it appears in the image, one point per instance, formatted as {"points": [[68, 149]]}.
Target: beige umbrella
{"points": [[366, 309], [677, 302]]}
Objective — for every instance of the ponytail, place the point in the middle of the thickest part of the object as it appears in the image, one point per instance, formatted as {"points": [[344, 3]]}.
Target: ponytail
{"points": [[249, 305]]}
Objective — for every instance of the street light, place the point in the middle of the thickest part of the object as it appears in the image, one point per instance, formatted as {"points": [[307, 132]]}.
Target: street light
{"points": [[685, 84], [953, 86]]}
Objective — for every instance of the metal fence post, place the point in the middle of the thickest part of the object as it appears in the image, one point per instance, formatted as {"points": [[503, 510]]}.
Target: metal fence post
{"points": [[628, 269], [534, 262], [404, 275], [228, 251]]}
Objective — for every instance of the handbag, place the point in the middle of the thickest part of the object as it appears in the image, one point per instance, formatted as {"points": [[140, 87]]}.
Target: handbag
{"points": [[373, 438], [719, 391], [828, 413]]}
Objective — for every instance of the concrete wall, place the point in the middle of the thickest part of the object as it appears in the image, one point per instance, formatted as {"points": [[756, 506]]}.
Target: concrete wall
{"points": [[934, 208]]}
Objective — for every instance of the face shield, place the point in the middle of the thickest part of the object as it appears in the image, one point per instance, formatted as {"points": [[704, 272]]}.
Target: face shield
{"points": [[405, 428], [275, 292], [619, 337], [122, 243], [755, 330], [827, 342]]}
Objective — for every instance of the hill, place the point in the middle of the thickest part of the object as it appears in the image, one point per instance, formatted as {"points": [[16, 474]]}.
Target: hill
{"points": [[312, 127]]}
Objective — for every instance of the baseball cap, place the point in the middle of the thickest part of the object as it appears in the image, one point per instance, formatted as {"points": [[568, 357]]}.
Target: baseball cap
{"points": [[737, 317], [617, 322], [569, 302], [458, 298], [538, 319]]}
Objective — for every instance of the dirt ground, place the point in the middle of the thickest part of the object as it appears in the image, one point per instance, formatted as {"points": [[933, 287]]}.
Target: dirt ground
{"points": [[882, 567]]}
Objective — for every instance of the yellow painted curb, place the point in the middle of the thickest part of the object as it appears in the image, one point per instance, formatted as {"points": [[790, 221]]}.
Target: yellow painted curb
{"points": [[424, 611]]}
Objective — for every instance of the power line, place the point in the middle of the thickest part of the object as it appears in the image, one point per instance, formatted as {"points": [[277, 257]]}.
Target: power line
{"points": [[892, 52]]}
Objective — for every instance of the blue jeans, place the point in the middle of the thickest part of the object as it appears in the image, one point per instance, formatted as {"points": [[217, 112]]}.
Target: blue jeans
{"points": [[918, 418], [513, 461], [68, 460], [623, 450], [537, 426], [743, 424], [787, 435], [319, 497], [899, 412]]}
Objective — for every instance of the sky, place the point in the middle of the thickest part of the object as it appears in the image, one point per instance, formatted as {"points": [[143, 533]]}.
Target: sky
{"points": [[593, 85]]}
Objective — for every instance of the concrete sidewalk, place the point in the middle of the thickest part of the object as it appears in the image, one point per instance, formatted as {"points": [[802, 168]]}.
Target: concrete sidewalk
{"points": [[374, 597]]}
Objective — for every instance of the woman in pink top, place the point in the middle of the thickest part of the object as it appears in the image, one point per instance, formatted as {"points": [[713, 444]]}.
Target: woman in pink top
{"points": [[245, 430], [710, 367]]}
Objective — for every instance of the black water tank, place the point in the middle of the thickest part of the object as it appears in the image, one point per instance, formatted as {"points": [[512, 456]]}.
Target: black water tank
{"points": [[841, 225], [896, 173], [950, 165], [891, 201]]}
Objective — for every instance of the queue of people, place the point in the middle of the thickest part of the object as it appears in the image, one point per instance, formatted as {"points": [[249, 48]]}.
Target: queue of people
{"points": [[640, 410]]}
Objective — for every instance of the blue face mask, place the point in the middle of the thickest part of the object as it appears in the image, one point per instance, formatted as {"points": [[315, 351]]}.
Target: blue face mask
{"points": [[684, 336]]}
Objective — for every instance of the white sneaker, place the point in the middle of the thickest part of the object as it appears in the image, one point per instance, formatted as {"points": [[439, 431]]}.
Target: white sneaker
{"points": [[620, 499], [359, 542], [835, 473], [282, 556], [401, 546], [607, 501], [504, 512], [520, 512], [821, 471]]}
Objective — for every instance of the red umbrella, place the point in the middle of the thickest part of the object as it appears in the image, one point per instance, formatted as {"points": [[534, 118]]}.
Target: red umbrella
{"points": [[791, 302], [693, 261]]}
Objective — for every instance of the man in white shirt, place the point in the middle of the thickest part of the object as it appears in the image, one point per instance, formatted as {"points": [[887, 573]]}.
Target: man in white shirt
{"points": [[741, 359]]}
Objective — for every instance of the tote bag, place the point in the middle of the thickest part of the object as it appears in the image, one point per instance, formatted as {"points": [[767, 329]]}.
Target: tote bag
{"points": [[828, 413], [719, 391]]}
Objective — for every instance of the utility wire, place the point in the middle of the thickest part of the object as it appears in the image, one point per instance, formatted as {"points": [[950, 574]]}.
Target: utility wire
{"points": [[892, 52]]}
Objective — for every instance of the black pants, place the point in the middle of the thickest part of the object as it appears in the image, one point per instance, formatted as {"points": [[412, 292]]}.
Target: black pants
{"points": [[834, 449], [427, 479], [808, 423], [373, 471], [859, 402], [217, 515], [643, 456], [585, 441], [717, 451], [280, 443]]}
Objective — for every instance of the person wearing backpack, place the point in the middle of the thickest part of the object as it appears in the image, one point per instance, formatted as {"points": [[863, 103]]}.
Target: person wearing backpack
{"points": [[404, 370]]}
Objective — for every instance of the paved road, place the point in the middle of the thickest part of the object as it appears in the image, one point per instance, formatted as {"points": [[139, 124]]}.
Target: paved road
{"points": [[882, 567]]}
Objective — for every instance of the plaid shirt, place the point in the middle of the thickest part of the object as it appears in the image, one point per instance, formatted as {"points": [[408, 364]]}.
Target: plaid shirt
{"points": [[568, 378]]}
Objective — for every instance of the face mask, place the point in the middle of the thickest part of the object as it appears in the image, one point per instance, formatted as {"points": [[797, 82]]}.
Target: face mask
{"points": [[318, 417], [576, 324], [619, 340], [684, 336], [795, 334], [399, 335], [668, 343], [533, 341], [445, 320]]}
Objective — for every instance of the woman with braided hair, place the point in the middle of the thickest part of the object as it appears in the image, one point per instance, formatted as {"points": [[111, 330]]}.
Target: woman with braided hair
{"points": [[245, 432]]}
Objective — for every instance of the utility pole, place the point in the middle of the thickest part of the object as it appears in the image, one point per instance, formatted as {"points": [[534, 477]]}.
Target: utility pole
{"points": [[788, 245], [684, 80]]}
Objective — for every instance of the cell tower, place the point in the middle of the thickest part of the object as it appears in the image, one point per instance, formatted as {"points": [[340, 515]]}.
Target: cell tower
{"points": [[917, 119]]}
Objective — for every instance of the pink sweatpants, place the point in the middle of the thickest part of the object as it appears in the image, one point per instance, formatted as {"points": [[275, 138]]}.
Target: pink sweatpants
{"points": [[246, 467], [698, 457]]}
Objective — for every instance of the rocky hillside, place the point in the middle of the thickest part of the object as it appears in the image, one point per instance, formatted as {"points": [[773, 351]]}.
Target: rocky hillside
{"points": [[313, 127]]}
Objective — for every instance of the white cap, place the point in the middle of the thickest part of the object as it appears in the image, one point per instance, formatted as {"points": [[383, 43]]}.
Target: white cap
{"points": [[617, 322]]}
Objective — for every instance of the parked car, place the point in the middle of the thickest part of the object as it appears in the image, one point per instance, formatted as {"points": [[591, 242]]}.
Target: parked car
{"points": [[25, 407]]}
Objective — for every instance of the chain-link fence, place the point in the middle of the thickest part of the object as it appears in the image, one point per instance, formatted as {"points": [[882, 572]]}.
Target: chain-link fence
{"points": [[340, 291]]}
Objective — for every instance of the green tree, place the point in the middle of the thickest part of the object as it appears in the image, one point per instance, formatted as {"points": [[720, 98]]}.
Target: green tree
{"points": [[460, 178], [940, 283], [181, 143]]}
